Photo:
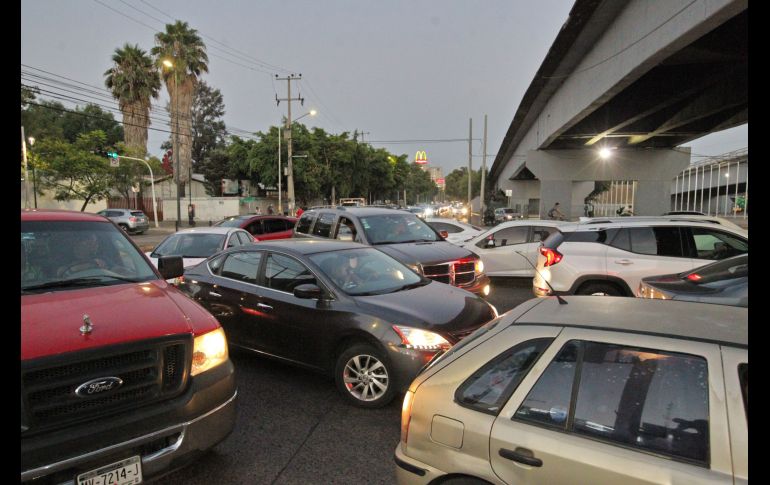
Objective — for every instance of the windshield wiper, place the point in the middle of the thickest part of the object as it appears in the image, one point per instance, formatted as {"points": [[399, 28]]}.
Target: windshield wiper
{"points": [[85, 281], [418, 284], [403, 242]]}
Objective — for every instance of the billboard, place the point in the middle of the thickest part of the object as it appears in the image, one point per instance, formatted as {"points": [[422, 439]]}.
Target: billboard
{"points": [[420, 158]]}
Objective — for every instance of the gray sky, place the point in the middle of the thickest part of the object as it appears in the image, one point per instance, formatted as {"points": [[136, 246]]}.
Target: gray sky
{"points": [[396, 69]]}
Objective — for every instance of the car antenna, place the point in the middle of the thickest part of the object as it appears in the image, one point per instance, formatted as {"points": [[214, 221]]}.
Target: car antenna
{"points": [[561, 300]]}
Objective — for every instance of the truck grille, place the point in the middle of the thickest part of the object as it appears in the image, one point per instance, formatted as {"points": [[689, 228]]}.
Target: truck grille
{"points": [[457, 273], [150, 371]]}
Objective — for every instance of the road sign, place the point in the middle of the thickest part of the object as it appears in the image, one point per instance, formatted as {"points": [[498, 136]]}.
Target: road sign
{"points": [[509, 193], [114, 162]]}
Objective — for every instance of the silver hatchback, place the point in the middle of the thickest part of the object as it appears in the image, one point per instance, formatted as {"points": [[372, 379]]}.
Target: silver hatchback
{"points": [[130, 220]]}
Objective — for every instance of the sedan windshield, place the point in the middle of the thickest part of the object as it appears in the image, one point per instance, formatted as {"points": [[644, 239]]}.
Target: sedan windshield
{"points": [[366, 271], [58, 255], [190, 245], [397, 228]]}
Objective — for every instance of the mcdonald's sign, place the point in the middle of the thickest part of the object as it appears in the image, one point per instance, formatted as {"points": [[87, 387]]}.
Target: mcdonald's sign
{"points": [[420, 157]]}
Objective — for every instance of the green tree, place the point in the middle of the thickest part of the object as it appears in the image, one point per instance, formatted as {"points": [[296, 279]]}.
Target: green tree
{"points": [[208, 128], [91, 118], [181, 45], [75, 170], [134, 81]]}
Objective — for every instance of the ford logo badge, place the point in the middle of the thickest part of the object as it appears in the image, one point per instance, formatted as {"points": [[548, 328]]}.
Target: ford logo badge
{"points": [[97, 386]]}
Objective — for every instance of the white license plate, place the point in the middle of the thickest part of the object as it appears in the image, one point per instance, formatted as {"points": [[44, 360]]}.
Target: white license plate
{"points": [[125, 472]]}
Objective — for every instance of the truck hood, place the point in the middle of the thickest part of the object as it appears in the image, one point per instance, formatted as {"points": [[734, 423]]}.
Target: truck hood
{"points": [[50, 322], [425, 253], [435, 307]]}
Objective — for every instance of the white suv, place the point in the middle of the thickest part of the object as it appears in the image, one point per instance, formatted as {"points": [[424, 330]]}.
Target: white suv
{"points": [[610, 257]]}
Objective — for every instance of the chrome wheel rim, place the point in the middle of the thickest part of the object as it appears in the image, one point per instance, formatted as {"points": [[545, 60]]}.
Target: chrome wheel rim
{"points": [[365, 377]]}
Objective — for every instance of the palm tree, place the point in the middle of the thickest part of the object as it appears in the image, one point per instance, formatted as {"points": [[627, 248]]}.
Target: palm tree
{"points": [[185, 59], [134, 80]]}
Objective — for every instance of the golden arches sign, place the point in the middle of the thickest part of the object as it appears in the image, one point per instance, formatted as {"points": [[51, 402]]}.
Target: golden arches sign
{"points": [[420, 157]]}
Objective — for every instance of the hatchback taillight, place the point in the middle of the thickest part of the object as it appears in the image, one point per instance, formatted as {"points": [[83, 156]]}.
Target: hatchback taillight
{"points": [[132, 219], [552, 256]]}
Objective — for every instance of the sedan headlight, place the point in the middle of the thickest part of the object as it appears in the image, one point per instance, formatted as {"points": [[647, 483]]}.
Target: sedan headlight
{"points": [[647, 291], [415, 338], [209, 350]]}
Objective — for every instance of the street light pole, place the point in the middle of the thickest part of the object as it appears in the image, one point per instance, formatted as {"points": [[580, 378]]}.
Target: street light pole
{"points": [[280, 175], [152, 184], [177, 174], [26, 172], [34, 176]]}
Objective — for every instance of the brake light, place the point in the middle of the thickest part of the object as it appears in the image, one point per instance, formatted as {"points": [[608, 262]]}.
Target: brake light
{"points": [[693, 276], [132, 219], [552, 256], [406, 416]]}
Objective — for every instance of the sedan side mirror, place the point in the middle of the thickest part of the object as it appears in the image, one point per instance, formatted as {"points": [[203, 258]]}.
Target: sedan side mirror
{"points": [[308, 291], [170, 266]]}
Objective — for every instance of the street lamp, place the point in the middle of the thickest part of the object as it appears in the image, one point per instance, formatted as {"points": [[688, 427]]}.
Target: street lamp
{"points": [[169, 64], [290, 176], [152, 184]]}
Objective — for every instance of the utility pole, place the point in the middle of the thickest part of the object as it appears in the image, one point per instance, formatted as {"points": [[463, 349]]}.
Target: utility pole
{"points": [[290, 176], [26, 173], [483, 167], [470, 167], [280, 173]]}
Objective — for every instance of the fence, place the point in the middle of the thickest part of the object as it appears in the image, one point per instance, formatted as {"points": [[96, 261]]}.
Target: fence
{"points": [[715, 187]]}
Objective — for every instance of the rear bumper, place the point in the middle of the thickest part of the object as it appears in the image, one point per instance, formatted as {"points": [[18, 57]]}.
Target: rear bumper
{"points": [[166, 435]]}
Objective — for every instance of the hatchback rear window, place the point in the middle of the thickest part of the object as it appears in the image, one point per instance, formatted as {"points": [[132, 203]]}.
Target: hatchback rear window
{"points": [[137, 213]]}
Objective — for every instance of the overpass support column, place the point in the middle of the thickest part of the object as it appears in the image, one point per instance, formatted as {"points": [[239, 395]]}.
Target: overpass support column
{"points": [[653, 169]]}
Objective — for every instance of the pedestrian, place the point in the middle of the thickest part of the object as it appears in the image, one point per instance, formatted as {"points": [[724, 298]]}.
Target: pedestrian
{"points": [[300, 211], [589, 208], [270, 209], [555, 213]]}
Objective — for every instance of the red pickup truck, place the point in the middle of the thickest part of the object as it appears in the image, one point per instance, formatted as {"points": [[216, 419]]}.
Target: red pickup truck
{"points": [[123, 377]]}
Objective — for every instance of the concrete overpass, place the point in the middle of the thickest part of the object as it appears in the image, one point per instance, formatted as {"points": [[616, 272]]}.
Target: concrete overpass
{"points": [[641, 77]]}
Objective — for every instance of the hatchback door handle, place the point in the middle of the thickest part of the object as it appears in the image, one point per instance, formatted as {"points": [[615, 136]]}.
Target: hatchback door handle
{"points": [[624, 261], [211, 293], [521, 455], [264, 307]]}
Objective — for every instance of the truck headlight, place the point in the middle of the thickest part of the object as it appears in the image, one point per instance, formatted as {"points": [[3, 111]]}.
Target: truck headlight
{"points": [[209, 350], [479, 266]]}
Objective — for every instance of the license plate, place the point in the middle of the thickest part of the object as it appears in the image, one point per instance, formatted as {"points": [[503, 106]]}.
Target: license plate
{"points": [[125, 472]]}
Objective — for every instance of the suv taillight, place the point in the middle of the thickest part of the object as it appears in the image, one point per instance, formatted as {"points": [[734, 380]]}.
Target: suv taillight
{"points": [[552, 256], [132, 219]]}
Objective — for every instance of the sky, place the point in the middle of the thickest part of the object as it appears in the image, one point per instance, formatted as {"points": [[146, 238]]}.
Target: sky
{"points": [[408, 74]]}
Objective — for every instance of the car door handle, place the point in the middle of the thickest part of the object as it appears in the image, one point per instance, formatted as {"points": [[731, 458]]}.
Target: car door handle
{"points": [[521, 455], [624, 261], [211, 293], [264, 307]]}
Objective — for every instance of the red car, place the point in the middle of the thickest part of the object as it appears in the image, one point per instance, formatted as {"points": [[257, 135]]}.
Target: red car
{"points": [[122, 376], [263, 228]]}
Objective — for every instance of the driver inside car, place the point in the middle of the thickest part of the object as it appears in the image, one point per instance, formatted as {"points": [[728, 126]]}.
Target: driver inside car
{"points": [[85, 256]]}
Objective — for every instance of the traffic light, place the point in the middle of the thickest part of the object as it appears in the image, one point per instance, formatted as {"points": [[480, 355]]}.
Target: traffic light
{"points": [[112, 154]]}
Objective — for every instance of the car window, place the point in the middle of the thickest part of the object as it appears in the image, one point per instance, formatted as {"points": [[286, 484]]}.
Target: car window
{"points": [[713, 244], [242, 266], [215, 265], [490, 387], [255, 228], [622, 240], [304, 222], [510, 236], [283, 273], [190, 245], [397, 228], [244, 238], [657, 241], [587, 236], [324, 225], [541, 233], [648, 399], [346, 230], [233, 241], [274, 225], [548, 401]]}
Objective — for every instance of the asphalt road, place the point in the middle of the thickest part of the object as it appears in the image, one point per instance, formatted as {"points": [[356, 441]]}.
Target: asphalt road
{"points": [[293, 428]]}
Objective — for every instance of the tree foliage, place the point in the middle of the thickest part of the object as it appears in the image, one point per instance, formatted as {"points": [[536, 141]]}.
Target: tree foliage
{"points": [[134, 81]]}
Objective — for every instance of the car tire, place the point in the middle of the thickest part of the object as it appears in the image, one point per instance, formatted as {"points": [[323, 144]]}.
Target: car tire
{"points": [[603, 289], [361, 372]]}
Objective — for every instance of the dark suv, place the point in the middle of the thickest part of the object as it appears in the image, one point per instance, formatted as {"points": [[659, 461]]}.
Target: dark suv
{"points": [[402, 235]]}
